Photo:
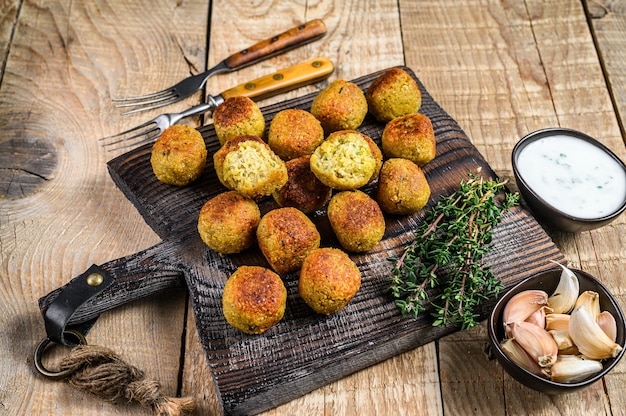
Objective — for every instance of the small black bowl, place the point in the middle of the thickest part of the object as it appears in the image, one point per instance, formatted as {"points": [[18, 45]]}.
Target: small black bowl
{"points": [[547, 281], [544, 211]]}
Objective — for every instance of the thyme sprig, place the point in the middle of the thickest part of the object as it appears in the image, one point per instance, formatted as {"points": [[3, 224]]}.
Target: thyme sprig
{"points": [[444, 259]]}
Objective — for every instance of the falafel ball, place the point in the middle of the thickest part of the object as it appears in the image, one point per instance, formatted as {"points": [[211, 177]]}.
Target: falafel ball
{"points": [[285, 236], [238, 116], [303, 190], [411, 137], [178, 155], [294, 133], [340, 106], [402, 187], [248, 165], [228, 222], [393, 94], [329, 279], [357, 220], [254, 299], [344, 161]]}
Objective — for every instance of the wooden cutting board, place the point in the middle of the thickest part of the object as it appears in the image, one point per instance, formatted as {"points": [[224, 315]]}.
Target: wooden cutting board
{"points": [[306, 350]]}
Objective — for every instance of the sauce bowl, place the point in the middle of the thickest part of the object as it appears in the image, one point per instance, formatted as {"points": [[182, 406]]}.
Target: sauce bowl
{"points": [[569, 180], [548, 281]]}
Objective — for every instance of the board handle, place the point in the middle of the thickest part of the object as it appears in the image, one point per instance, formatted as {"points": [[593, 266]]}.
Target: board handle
{"points": [[76, 305]]}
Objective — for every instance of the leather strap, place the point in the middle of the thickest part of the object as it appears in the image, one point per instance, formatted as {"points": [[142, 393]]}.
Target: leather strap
{"points": [[72, 296]]}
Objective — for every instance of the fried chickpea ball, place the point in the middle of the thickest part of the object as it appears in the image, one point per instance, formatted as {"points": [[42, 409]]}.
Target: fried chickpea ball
{"points": [[393, 94], [340, 106], [293, 133], [303, 190], [285, 236], [248, 165], [411, 137], [238, 116], [344, 161], [228, 222], [402, 187], [178, 155], [329, 279], [376, 153], [357, 220], [254, 299]]}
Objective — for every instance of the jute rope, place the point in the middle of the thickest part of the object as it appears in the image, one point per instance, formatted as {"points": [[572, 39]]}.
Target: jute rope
{"points": [[99, 371]]}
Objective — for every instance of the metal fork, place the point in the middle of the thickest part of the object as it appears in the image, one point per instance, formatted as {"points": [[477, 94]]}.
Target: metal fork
{"points": [[291, 39], [295, 76]]}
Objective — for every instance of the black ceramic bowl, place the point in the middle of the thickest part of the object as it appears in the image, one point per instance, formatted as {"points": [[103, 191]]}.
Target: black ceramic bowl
{"points": [[548, 281], [543, 210]]}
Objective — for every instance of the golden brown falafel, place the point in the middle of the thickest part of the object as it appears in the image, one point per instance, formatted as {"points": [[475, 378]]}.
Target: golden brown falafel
{"points": [[344, 160], [238, 116], [357, 220], [393, 94], [294, 133], [303, 190], [340, 106], [285, 236], [178, 155], [411, 137], [228, 222], [248, 165], [329, 279], [254, 299], [402, 187]]}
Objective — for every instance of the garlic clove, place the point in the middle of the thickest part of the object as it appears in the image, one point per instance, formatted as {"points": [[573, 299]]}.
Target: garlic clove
{"points": [[589, 337], [557, 321], [590, 300], [564, 297], [607, 322], [574, 368], [564, 342], [524, 304], [536, 341], [539, 317], [519, 356]]}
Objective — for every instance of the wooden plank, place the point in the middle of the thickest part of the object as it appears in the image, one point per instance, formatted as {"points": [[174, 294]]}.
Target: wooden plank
{"points": [[504, 70], [305, 351], [66, 61]]}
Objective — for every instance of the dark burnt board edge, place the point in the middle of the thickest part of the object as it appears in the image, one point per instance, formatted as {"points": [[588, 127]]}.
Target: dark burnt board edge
{"points": [[306, 351]]}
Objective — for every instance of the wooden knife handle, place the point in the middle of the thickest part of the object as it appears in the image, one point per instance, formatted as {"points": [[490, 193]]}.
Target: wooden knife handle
{"points": [[305, 73], [284, 42]]}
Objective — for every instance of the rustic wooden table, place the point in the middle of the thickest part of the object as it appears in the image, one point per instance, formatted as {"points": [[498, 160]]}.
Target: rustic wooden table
{"points": [[501, 68]]}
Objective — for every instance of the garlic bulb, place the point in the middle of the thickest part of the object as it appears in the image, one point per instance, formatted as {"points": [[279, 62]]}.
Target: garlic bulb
{"points": [[606, 321], [518, 355], [590, 300], [557, 321]]}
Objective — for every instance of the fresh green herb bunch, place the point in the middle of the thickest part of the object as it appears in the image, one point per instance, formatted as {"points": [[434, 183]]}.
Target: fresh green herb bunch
{"points": [[446, 255]]}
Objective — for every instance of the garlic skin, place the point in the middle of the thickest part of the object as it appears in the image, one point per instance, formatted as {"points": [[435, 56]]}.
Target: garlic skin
{"points": [[557, 321], [524, 304], [590, 300], [564, 342], [607, 322], [536, 341], [564, 297], [573, 368], [518, 355], [539, 316], [589, 337]]}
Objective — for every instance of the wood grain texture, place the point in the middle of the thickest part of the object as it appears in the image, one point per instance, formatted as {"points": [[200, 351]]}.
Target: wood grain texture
{"points": [[306, 351], [493, 65]]}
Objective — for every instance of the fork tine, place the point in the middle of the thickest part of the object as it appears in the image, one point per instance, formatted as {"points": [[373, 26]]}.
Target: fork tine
{"points": [[140, 142], [165, 97], [120, 136], [172, 100], [143, 97]]}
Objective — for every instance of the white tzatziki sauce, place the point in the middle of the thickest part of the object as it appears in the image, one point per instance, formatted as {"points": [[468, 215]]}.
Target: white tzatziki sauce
{"points": [[573, 176]]}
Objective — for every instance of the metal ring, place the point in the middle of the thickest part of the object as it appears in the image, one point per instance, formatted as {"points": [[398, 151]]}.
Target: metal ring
{"points": [[55, 375]]}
